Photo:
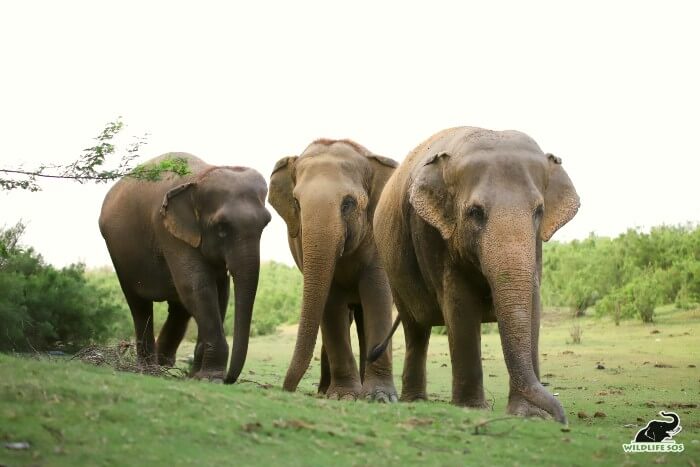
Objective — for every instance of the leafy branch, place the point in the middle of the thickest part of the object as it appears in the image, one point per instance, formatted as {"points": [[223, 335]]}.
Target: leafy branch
{"points": [[90, 166]]}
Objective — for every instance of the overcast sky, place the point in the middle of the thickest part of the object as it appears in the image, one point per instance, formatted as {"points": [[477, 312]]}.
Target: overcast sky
{"points": [[610, 87]]}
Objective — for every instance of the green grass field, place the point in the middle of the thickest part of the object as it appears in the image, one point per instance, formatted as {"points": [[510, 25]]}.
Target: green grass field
{"points": [[73, 413]]}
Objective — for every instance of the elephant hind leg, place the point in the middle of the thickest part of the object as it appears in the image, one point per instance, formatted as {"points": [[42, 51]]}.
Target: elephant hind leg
{"points": [[171, 333], [142, 314], [357, 313], [417, 337], [325, 380]]}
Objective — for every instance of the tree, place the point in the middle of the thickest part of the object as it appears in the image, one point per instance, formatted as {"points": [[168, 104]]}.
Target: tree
{"points": [[92, 166]]}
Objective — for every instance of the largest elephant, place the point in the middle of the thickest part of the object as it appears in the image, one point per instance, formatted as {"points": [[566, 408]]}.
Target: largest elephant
{"points": [[327, 197], [177, 239], [459, 229]]}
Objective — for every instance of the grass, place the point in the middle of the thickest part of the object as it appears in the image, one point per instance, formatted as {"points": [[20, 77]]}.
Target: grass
{"points": [[76, 414]]}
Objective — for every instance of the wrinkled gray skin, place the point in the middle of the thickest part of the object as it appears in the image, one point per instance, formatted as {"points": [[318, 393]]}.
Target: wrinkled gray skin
{"points": [[327, 198], [177, 240], [459, 229]]}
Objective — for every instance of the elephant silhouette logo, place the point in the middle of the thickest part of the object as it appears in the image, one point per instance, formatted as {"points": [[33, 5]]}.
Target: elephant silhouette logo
{"points": [[657, 435]]}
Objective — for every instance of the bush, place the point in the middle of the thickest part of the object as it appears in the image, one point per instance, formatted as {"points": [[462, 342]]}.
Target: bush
{"points": [[42, 307], [277, 302], [627, 276]]}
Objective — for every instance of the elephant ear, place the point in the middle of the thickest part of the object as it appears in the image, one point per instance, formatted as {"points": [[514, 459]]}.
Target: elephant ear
{"points": [[429, 196], [382, 168], [281, 194], [179, 215], [561, 202]]}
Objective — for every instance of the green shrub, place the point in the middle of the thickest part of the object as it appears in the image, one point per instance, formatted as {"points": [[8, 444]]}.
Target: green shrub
{"points": [[627, 276], [42, 307], [277, 302]]}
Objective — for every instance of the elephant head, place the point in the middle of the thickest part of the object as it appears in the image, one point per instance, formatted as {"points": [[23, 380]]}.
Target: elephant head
{"points": [[222, 213], [658, 430], [327, 197], [493, 197]]}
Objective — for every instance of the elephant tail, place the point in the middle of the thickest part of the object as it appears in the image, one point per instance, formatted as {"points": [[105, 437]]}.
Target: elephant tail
{"points": [[379, 349]]}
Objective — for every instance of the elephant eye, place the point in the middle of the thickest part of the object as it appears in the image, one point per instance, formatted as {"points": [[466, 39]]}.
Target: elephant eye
{"points": [[539, 211], [476, 213], [297, 206], [349, 203], [222, 230]]}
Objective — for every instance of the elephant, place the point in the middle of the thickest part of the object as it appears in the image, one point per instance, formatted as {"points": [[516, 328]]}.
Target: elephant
{"points": [[658, 430], [459, 229], [327, 197], [177, 239]]}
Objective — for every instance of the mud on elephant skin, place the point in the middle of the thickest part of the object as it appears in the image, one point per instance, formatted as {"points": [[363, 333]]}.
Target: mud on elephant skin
{"points": [[462, 224], [327, 197], [177, 240]]}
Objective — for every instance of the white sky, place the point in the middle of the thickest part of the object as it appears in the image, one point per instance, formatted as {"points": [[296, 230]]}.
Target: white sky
{"points": [[611, 87]]}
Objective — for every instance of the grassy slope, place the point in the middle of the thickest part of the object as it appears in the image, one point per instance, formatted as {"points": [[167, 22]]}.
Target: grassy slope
{"points": [[74, 414]]}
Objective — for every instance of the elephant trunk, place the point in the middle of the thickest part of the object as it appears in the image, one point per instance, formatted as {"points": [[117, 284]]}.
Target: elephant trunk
{"points": [[512, 295], [676, 421], [245, 272], [321, 246]]}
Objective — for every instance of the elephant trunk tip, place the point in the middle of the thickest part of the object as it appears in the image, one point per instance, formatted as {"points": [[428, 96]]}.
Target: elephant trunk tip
{"points": [[232, 377]]}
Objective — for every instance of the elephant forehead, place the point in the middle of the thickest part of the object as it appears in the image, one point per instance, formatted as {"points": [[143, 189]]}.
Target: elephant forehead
{"points": [[504, 168], [330, 166]]}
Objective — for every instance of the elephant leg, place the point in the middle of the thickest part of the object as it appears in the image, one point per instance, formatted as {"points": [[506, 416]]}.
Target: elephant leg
{"points": [[462, 312], [356, 312], [198, 292], [417, 337], [325, 380], [335, 332], [171, 333], [142, 313], [375, 296]]}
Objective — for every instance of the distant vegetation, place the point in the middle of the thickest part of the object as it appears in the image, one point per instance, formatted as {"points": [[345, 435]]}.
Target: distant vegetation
{"points": [[625, 277], [43, 307], [278, 301]]}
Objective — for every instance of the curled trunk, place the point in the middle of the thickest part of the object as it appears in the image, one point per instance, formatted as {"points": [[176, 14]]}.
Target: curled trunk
{"points": [[512, 292]]}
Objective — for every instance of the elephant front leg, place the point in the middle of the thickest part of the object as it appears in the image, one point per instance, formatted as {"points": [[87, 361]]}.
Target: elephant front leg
{"points": [[198, 292], [416, 338], [375, 296], [335, 332], [462, 313]]}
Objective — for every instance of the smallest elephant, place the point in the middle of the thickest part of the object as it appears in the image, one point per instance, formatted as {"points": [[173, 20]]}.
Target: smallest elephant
{"points": [[327, 197], [177, 240]]}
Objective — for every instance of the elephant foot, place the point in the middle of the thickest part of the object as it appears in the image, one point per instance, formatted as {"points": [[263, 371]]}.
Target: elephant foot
{"points": [[210, 375], [518, 405], [380, 391], [166, 360], [478, 403], [343, 393], [413, 396]]}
